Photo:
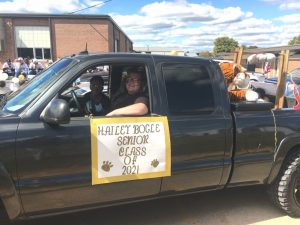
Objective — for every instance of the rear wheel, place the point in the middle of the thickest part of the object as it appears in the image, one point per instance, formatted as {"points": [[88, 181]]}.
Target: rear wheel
{"points": [[285, 191], [272, 192]]}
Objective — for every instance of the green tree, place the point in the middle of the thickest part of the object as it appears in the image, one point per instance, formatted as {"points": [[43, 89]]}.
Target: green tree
{"points": [[252, 47], [225, 44], [295, 40], [249, 47], [205, 54]]}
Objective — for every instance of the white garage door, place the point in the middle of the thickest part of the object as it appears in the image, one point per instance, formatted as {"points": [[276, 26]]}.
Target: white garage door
{"points": [[33, 42]]}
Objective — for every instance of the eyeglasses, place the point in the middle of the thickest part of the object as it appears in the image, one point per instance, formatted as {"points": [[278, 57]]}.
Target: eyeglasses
{"points": [[133, 80]]}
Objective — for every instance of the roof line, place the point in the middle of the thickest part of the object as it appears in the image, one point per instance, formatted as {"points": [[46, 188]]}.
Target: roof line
{"points": [[275, 49], [63, 16]]}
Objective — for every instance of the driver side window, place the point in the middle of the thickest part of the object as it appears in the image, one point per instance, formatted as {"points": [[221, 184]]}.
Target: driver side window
{"points": [[104, 89], [88, 94]]}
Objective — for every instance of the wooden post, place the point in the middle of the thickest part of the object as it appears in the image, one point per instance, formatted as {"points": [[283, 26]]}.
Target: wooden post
{"points": [[286, 61], [239, 57], [282, 69], [235, 57]]}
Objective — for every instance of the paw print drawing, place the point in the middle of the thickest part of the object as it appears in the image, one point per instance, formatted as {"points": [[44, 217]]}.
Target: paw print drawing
{"points": [[106, 166], [154, 163]]}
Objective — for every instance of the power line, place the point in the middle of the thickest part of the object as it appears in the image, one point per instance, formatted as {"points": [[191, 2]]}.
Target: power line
{"points": [[102, 3], [98, 32]]}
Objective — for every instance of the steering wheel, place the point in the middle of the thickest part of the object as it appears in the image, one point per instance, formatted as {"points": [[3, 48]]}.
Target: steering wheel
{"points": [[75, 99]]}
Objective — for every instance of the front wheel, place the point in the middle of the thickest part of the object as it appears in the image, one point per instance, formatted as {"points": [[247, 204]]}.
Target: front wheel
{"points": [[286, 189]]}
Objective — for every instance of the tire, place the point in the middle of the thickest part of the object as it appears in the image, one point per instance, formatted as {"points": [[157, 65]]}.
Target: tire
{"points": [[285, 191], [272, 193]]}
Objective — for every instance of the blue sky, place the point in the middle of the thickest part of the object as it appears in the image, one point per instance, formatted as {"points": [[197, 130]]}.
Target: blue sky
{"points": [[188, 24], [256, 6]]}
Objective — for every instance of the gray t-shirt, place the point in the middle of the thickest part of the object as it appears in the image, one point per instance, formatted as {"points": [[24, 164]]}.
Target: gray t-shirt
{"points": [[126, 100]]}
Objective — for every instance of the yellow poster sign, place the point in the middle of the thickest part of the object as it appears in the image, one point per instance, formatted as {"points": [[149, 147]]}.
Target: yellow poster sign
{"points": [[130, 148]]}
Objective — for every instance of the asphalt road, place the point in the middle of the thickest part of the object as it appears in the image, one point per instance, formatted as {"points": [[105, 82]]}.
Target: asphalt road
{"points": [[240, 206]]}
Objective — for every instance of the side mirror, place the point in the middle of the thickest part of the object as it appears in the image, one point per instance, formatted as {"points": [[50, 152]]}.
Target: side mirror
{"points": [[57, 112]]}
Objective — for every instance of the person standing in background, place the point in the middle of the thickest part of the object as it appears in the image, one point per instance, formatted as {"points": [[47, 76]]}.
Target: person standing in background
{"points": [[22, 68], [9, 68], [35, 67]]}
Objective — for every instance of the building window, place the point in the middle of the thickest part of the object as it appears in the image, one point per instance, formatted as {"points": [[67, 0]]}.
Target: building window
{"points": [[25, 52], [2, 35], [38, 53], [47, 53], [33, 42], [117, 45], [1, 45], [189, 89]]}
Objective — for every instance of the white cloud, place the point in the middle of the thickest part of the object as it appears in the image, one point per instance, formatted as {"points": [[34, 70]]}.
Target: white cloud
{"points": [[272, 1], [290, 19], [38, 6], [180, 23], [290, 5], [195, 26], [182, 11], [285, 5]]}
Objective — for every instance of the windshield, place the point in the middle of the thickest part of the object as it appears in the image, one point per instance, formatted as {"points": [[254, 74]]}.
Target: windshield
{"points": [[24, 96]]}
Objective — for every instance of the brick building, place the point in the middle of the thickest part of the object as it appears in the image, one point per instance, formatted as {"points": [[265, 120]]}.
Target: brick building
{"points": [[52, 36], [294, 55]]}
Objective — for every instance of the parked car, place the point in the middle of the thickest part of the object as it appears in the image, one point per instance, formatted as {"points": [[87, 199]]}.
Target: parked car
{"points": [[269, 85], [292, 77], [46, 150], [256, 76], [295, 73]]}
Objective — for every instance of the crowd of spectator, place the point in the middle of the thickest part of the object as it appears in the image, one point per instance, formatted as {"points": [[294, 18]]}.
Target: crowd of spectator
{"points": [[25, 67], [14, 74]]}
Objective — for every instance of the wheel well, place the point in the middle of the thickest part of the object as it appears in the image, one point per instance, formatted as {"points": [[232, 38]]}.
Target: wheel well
{"points": [[289, 154], [287, 157], [9, 195]]}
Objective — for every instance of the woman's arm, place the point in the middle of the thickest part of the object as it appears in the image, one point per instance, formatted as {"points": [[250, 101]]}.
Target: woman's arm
{"points": [[136, 109]]}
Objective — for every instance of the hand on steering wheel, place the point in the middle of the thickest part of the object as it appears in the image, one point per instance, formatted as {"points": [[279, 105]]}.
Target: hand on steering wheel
{"points": [[75, 99]]}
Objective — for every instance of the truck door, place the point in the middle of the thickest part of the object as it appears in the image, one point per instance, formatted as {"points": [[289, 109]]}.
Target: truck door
{"points": [[54, 162], [198, 126]]}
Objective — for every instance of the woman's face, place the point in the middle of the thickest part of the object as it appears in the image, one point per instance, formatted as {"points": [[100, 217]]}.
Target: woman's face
{"points": [[133, 83]]}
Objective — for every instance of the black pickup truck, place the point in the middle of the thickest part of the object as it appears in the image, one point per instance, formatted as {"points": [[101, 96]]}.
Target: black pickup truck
{"points": [[45, 138]]}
